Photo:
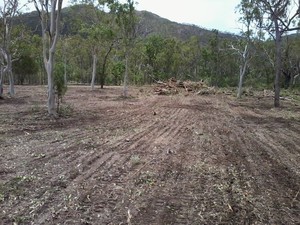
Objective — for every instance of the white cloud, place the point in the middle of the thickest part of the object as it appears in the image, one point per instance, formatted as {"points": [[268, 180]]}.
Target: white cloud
{"points": [[211, 14]]}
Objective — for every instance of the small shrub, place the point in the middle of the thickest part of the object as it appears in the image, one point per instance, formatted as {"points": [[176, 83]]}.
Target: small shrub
{"points": [[59, 84]]}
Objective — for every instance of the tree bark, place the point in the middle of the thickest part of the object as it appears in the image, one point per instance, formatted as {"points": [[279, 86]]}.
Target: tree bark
{"points": [[65, 72], [94, 71], [241, 80], [1, 82], [50, 34], [125, 88], [10, 75], [49, 64], [103, 73], [7, 70], [11, 84], [278, 65], [243, 67]]}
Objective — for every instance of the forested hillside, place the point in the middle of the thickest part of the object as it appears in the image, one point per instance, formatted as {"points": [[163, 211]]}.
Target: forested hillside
{"points": [[148, 24]]}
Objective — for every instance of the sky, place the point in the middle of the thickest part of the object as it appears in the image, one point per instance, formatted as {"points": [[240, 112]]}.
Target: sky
{"points": [[210, 14]]}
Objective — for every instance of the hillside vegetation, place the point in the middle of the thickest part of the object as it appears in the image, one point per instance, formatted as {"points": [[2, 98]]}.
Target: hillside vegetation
{"points": [[148, 24]]}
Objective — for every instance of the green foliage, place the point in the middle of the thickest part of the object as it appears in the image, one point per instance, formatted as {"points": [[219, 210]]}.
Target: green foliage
{"points": [[25, 69], [59, 83], [117, 71], [168, 50]]}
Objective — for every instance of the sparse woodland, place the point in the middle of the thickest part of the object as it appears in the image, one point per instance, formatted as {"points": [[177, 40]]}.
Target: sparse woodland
{"points": [[91, 47], [109, 115]]}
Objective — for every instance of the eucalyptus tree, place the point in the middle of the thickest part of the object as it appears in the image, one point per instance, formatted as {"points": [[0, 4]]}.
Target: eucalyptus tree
{"points": [[153, 46], [295, 58], [244, 61], [191, 57], [214, 58], [8, 11], [49, 13], [104, 40], [126, 20], [244, 44], [90, 30], [110, 40], [291, 60], [79, 59], [277, 17], [26, 63], [170, 58]]}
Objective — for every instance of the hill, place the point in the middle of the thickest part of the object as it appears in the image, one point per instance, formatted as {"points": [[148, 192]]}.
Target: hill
{"points": [[153, 24], [149, 24]]}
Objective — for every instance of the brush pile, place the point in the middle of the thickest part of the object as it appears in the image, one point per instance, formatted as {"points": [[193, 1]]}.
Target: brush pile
{"points": [[174, 86]]}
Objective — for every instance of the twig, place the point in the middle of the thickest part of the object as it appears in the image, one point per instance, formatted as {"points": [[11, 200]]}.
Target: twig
{"points": [[143, 167], [294, 199], [129, 217]]}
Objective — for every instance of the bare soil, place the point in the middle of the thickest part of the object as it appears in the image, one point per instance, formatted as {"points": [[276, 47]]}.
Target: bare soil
{"points": [[148, 159]]}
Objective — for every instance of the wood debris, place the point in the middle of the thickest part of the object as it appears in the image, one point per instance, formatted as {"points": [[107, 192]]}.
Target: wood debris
{"points": [[174, 86]]}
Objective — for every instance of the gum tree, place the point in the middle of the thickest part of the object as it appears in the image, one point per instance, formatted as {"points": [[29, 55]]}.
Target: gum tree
{"points": [[126, 20], [277, 17], [7, 12], [49, 12]]}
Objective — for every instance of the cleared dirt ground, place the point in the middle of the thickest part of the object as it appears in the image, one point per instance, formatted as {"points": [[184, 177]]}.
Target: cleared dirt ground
{"points": [[148, 159]]}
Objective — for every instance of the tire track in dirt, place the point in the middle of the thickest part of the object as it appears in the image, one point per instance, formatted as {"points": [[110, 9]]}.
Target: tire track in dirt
{"points": [[263, 169], [258, 156], [56, 152], [241, 188], [93, 162], [166, 198], [142, 143], [194, 162], [180, 204]]}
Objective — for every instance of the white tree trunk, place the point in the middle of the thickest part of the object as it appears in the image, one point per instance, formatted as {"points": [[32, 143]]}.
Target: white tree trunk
{"points": [[8, 11], [50, 34], [244, 63], [278, 64], [10, 75], [94, 71], [7, 70], [242, 74], [11, 84], [1, 81], [125, 87], [51, 89]]}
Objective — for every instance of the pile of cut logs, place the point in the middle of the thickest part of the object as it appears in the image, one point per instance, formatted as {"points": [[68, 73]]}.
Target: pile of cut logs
{"points": [[174, 86]]}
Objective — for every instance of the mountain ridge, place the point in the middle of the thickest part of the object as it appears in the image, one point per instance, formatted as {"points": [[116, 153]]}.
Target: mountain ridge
{"points": [[149, 24]]}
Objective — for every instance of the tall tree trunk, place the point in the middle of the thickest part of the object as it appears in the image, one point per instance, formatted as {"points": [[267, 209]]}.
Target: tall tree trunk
{"points": [[11, 84], [103, 73], [10, 75], [102, 79], [241, 80], [51, 88], [1, 81], [49, 13], [278, 65], [125, 88], [94, 71], [7, 70], [65, 72]]}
